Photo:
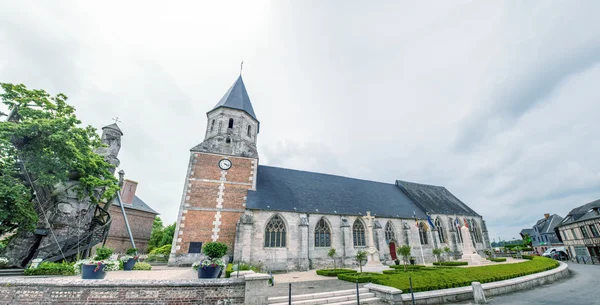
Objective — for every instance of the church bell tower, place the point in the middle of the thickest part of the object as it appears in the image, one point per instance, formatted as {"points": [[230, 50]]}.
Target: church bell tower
{"points": [[221, 170]]}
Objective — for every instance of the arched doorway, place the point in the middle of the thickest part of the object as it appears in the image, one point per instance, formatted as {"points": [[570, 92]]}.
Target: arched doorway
{"points": [[393, 250]]}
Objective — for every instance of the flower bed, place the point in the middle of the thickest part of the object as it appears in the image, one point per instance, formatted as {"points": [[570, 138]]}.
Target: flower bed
{"points": [[442, 278], [450, 264], [334, 272]]}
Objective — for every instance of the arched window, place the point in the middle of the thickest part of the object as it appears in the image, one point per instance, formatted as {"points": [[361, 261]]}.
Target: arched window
{"points": [[440, 229], [422, 233], [358, 234], [230, 123], [249, 131], [475, 232], [212, 125], [389, 232], [322, 234], [275, 233], [228, 140]]}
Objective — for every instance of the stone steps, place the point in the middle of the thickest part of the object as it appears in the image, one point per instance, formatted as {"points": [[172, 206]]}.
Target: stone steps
{"points": [[11, 272], [333, 297]]}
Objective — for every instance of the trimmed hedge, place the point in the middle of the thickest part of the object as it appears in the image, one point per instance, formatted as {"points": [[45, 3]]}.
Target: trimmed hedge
{"points": [[450, 263], [524, 256], [442, 278], [498, 260], [364, 277], [334, 272], [408, 267], [51, 269]]}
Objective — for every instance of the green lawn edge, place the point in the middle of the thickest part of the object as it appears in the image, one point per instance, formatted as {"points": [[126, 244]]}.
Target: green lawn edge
{"points": [[434, 278]]}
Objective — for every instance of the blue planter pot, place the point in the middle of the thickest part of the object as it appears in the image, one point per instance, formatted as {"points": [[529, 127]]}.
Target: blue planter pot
{"points": [[209, 272], [128, 265], [88, 273]]}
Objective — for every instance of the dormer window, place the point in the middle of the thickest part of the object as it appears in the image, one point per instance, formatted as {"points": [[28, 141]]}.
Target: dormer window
{"points": [[230, 123]]}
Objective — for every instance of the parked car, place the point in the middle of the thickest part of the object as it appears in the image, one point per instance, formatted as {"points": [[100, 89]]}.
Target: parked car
{"points": [[560, 255], [550, 251]]}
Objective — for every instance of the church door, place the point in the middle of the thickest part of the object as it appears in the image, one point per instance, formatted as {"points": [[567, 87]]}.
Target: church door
{"points": [[393, 250]]}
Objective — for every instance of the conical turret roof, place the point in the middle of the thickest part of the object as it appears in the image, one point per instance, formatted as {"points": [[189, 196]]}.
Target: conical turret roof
{"points": [[237, 98], [113, 126]]}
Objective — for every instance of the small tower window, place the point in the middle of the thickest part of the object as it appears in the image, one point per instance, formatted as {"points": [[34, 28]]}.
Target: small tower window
{"points": [[249, 130], [212, 125], [230, 123], [220, 126], [228, 140]]}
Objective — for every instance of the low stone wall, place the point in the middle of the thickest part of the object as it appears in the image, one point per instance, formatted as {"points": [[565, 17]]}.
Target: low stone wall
{"points": [[76, 291], [491, 289]]}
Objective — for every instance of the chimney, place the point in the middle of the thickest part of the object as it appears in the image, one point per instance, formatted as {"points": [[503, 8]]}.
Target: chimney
{"points": [[128, 191], [546, 215]]}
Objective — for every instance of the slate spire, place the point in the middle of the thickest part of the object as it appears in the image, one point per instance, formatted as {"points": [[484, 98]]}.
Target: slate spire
{"points": [[237, 98]]}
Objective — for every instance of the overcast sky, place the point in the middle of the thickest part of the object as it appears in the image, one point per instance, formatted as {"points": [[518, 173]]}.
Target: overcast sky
{"points": [[497, 101]]}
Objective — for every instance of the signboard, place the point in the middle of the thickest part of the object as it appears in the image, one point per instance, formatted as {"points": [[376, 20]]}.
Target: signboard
{"points": [[581, 251]]}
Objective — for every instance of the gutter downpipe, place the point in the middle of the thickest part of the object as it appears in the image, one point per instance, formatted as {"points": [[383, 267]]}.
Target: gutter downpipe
{"points": [[126, 221]]}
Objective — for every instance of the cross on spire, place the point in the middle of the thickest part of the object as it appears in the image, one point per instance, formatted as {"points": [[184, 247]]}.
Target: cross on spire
{"points": [[241, 67], [116, 119]]}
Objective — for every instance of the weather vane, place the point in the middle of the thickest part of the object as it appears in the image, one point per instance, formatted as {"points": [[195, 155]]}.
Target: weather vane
{"points": [[116, 120]]}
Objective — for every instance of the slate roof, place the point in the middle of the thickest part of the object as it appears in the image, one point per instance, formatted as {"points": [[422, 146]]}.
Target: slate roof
{"points": [[113, 126], [527, 231], [137, 204], [581, 213], [435, 199], [280, 189], [237, 98], [547, 225]]}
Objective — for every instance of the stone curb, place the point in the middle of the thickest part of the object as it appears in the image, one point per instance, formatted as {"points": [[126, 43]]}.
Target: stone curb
{"points": [[76, 282], [491, 289]]}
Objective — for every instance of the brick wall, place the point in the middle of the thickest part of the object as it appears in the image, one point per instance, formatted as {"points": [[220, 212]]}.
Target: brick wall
{"points": [[140, 223], [77, 291], [214, 200]]}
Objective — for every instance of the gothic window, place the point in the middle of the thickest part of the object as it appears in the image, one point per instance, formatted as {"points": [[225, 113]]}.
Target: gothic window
{"points": [[230, 123], [322, 234], [249, 131], [389, 232], [212, 125], [475, 232], [358, 234], [440, 229], [275, 233], [422, 233], [228, 140]]}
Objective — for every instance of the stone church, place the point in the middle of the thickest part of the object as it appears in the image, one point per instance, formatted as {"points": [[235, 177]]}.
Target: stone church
{"points": [[288, 219]]}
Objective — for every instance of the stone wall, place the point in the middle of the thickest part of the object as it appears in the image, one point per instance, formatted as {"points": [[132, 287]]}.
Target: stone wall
{"points": [[140, 223], [300, 252], [77, 291]]}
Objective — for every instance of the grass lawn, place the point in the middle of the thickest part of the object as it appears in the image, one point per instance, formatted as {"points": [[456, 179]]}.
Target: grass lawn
{"points": [[433, 278]]}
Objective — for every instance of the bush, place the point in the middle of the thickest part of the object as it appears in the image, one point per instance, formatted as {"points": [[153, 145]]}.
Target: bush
{"points": [[164, 250], [498, 260], [408, 267], [529, 257], [448, 277], [334, 272], [131, 251], [353, 277], [215, 249], [450, 263], [51, 269], [103, 253], [142, 266], [232, 268]]}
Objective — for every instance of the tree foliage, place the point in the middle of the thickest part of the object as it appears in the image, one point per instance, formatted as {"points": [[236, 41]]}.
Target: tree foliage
{"points": [[42, 141], [404, 252], [160, 235]]}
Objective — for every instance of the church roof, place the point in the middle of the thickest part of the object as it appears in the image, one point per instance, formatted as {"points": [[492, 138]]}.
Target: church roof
{"points": [[137, 204], [237, 98], [434, 199], [281, 189]]}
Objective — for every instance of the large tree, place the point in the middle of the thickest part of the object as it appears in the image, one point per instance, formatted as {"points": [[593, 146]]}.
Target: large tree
{"points": [[42, 144]]}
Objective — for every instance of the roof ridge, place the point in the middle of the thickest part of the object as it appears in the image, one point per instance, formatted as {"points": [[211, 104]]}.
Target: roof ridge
{"points": [[423, 184], [324, 174]]}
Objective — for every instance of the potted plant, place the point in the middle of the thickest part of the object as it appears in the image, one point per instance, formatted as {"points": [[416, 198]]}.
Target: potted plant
{"points": [[130, 259], [412, 260], [96, 268], [212, 265]]}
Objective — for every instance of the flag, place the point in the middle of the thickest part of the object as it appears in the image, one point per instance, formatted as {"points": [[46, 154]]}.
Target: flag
{"points": [[430, 222], [425, 226], [466, 225], [457, 223]]}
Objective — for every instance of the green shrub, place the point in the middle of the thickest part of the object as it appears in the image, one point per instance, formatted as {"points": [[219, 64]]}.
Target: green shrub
{"points": [[334, 272], [408, 267], [164, 250], [434, 278], [215, 249], [363, 277], [131, 251], [103, 253], [142, 266], [51, 269], [527, 256], [498, 260], [450, 263]]}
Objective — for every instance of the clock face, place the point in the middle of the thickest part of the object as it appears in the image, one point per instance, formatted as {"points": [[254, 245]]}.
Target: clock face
{"points": [[225, 164]]}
